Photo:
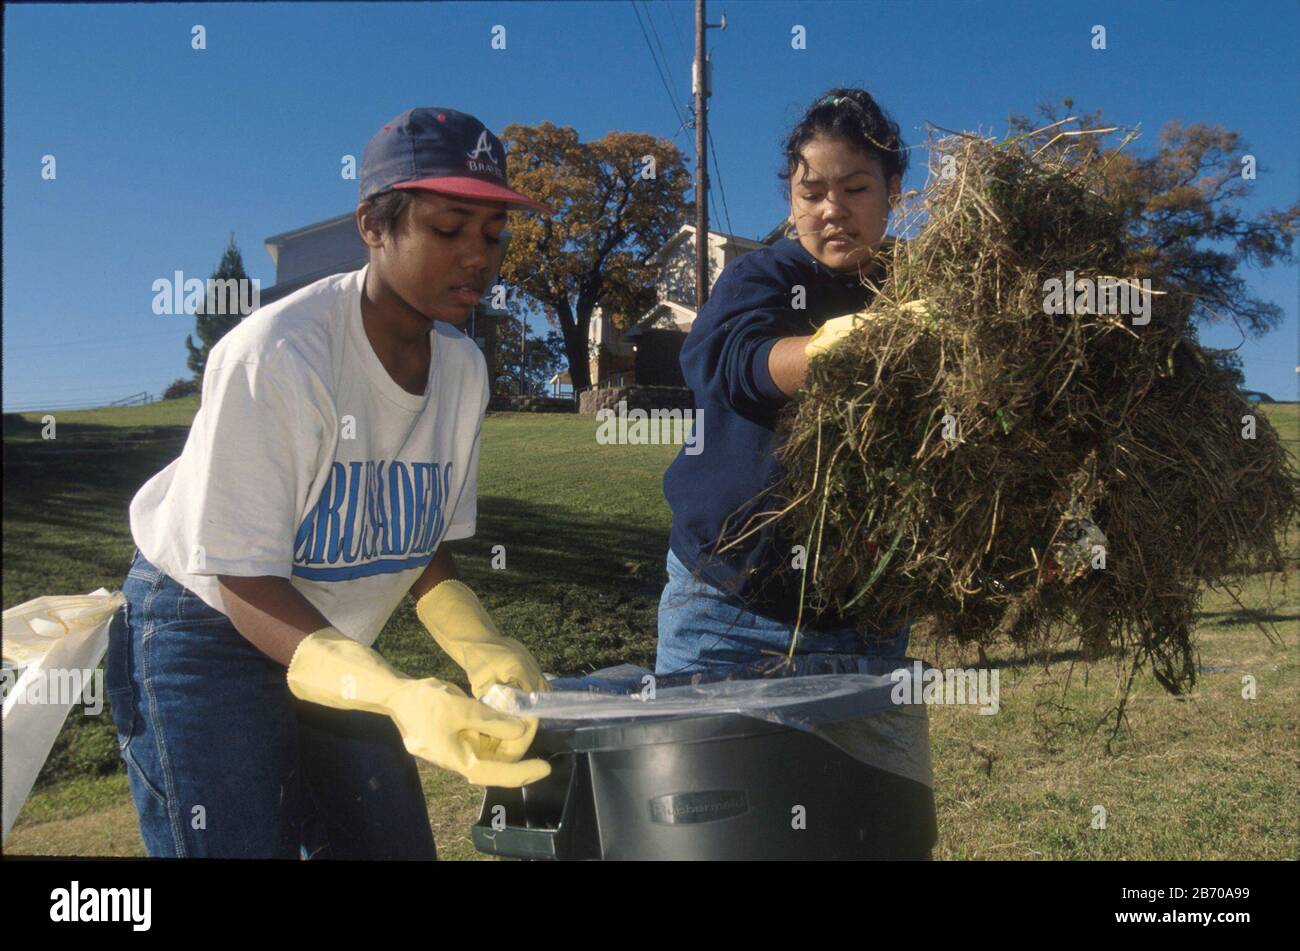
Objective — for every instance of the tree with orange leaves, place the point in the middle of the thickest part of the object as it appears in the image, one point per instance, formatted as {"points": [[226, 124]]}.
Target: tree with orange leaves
{"points": [[617, 200], [1189, 192]]}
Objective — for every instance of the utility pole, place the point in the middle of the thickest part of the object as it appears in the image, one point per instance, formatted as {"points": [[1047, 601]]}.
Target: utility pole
{"points": [[523, 352], [701, 80]]}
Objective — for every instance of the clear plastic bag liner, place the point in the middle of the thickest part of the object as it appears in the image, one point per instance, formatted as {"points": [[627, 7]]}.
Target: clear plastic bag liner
{"points": [[44, 641], [860, 704]]}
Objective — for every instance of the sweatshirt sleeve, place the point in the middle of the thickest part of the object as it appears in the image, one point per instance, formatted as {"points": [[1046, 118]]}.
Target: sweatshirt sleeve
{"points": [[252, 456], [728, 346]]}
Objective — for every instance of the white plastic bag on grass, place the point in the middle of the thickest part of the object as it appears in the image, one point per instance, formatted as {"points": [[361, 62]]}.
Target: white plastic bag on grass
{"points": [[51, 647]]}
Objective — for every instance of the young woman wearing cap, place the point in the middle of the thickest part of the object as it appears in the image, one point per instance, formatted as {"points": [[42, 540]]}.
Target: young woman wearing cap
{"points": [[745, 358], [336, 447]]}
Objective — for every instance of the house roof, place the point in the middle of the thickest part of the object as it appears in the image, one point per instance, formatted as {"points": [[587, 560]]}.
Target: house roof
{"points": [[276, 291], [277, 241], [679, 313], [720, 238], [274, 243], [776, 233], [664, 308]]}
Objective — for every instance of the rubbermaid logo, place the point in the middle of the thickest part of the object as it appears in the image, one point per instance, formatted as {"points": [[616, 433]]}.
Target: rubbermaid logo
{"points": [[678, 808]]}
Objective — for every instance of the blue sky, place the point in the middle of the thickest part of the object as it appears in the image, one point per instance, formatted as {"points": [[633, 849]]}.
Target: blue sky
{"points": [[163, 151]]}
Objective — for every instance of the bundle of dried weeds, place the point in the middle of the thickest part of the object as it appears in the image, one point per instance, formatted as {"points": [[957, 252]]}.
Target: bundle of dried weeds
{"points": [[1003, 467]]}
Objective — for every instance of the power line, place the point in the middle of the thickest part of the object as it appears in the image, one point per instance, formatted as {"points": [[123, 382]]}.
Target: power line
{"points": [[655, 32], [663, 57], [662, 78], [105, 377], [69, 394], [57, 390], [717, 167], [65, 394], [672, 17], [91, 342], [726, 211], [718, 170], [88, 403]]}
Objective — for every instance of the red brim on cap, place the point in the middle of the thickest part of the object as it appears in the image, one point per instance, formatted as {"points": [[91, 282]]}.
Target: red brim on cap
{"points": [[477, 189]]}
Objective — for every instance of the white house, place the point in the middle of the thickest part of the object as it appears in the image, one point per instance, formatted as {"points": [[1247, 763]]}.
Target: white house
{"points": [[647, 351], [333, 246]]}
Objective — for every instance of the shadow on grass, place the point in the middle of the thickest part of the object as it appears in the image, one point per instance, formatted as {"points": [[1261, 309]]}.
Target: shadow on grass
{"points": [[544, 541], [1238, 616], [83, 457], [581, 591], [74, 493]]}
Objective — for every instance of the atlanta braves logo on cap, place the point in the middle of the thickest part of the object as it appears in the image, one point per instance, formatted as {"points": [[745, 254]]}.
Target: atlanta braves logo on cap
{"points": [[440, 150], [483, 146]]}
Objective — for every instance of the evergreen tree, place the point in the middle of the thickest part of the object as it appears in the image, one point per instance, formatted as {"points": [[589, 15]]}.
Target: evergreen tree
{"points": [[219, 314]]}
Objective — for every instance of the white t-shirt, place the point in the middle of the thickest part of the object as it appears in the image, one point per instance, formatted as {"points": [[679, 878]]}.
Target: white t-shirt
{"points": [[307, 461]]}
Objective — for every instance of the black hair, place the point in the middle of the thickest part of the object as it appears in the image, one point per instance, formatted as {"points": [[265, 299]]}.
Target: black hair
{"points": [[385, 208], [853, 116]]}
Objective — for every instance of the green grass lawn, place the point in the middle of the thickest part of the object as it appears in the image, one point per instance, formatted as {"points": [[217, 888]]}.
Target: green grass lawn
{"points": [[584, 528]]}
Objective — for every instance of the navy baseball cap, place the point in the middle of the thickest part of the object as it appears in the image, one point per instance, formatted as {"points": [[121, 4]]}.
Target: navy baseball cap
{"points": [[440, 150]]}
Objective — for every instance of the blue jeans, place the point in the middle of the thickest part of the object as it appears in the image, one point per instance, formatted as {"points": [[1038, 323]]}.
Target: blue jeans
{"points": [[701, 629], [224, 762]]}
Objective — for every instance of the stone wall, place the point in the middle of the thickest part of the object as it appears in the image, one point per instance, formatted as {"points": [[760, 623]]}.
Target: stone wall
{"points": [[531, 404], [637, 397]]}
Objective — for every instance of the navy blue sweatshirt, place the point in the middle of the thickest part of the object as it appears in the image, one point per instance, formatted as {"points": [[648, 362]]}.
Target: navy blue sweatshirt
{"points": [[724, 360]]}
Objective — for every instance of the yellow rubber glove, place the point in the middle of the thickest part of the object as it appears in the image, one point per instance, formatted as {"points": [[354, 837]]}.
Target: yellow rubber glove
{"points": [[831, 333], [461, 627], [437, 721]]}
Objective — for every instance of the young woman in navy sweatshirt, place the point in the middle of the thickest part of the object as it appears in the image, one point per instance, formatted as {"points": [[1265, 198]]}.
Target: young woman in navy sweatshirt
{"points": [[746, 356]]}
